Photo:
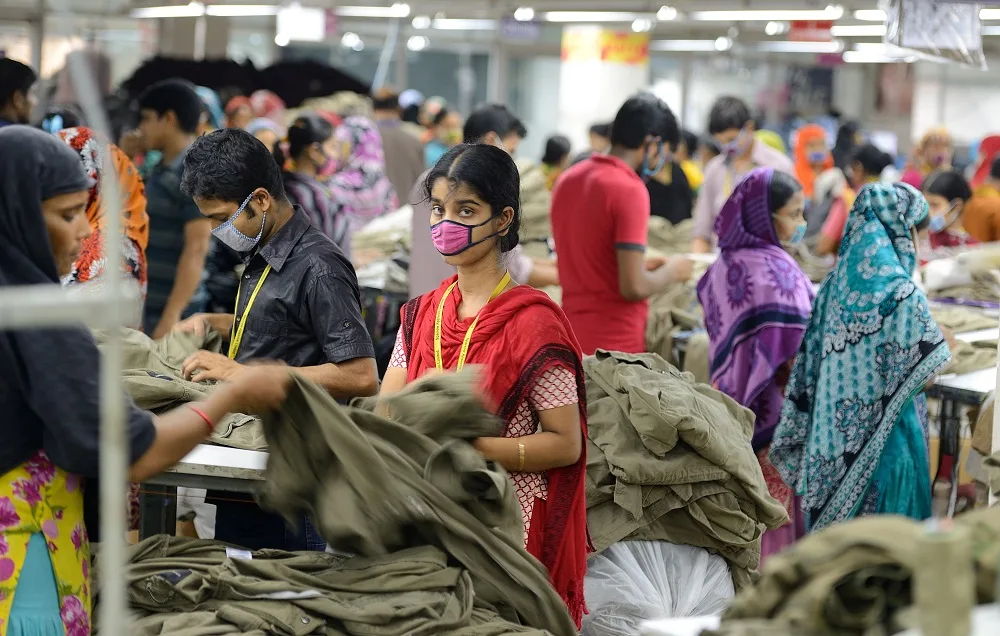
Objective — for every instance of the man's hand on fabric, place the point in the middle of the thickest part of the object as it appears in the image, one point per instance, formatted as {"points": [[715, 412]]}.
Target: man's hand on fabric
{"points": [[196, 324], [654, 263], [203, 366]]}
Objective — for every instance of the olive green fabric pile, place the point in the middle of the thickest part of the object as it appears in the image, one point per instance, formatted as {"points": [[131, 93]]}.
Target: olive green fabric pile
{"points": [[857, 578], [669, 459]]}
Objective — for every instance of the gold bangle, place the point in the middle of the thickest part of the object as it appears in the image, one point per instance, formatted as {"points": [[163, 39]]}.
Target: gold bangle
{"points": [[520, 457]]}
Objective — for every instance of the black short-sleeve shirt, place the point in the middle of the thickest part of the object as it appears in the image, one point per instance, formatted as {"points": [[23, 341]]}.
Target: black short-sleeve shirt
{"points": [[308, 311]]}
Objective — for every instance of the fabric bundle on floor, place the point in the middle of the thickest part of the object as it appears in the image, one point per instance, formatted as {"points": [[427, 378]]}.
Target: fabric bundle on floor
{"points": [[856, 578], [151, 374], [670, 460], [434, 528]]}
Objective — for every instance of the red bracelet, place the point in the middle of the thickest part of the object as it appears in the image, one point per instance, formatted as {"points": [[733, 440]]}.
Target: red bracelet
{"points": [[204, 416]]}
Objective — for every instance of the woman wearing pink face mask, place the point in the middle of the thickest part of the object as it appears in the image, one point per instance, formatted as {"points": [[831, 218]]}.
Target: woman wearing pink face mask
{"points": [[308, 157], [532, 368], [933, 153]]}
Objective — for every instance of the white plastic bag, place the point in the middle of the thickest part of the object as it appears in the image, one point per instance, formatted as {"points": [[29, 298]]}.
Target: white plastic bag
{"points": [[635, 581]]}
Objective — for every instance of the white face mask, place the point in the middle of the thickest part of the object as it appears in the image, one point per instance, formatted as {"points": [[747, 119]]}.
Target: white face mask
{"points": [[233, 238]]}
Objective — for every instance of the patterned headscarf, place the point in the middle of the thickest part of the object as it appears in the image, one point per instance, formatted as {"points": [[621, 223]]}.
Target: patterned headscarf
{"points": [[95, 154], [757, 303], [361, 185], [870, 348]]}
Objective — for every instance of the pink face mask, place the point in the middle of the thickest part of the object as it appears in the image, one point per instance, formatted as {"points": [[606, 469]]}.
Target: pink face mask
{"points": [[328, 169], [452, 238]]}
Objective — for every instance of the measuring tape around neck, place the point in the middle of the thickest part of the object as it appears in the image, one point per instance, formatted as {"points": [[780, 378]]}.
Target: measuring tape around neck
{"points": [[237, 335], [439, 318]]}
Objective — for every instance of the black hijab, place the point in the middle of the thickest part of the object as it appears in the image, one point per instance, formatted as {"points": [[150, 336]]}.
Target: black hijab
{"points": [[34, 166]]}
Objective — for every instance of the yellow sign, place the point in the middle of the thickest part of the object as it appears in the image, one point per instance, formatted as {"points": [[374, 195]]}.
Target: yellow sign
{"points": [[592, 43]]}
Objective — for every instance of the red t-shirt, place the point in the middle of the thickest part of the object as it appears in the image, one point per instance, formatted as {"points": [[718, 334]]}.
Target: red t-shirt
{"points": [[598, 207]]}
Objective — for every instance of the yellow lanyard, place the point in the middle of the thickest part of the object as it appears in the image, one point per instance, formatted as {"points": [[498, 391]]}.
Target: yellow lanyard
{"points": [[468, 334], [237, 335]]}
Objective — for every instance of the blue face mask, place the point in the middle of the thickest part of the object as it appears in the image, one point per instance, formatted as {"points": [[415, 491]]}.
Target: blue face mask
{"points": [[648, 171], [817, 157], [800, 233], [233, 238]]}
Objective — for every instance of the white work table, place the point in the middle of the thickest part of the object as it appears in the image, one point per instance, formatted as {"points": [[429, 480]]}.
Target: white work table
{"points": [[209, 467], [980, 335]]}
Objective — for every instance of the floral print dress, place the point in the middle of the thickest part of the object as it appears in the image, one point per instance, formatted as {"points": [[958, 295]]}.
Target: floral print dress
{"points": [[37, 497]]}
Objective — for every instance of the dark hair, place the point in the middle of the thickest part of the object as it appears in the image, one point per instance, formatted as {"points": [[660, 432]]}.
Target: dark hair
{"points": [[709, 142], [229, 164], [583, 156], [690, 140], [440, 116], [492, 118], [557, 148], [728, 113], [412, 114], [950, 184], [491, 173], [783, 188], [995, 168], [601, 130], [873, 161], [922, 225], [306, 130], [385, 99], [14, 78], [175, 96], [845, 145], [642, 116]]}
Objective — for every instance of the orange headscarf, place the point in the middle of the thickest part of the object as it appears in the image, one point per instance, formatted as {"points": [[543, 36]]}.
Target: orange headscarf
{"points": [[93, 152], [803, 167]]}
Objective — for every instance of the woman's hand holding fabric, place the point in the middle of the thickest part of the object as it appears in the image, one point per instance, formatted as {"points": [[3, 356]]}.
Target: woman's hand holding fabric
{"points": [[196, 324], [202, 366]]}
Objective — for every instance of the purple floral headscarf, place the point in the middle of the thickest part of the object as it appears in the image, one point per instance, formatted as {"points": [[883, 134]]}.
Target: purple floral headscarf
{"points": [[757, 303], [360, 186]]}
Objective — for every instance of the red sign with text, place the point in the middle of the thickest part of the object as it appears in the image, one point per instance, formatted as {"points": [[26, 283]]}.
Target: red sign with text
{"points": [[810, 31]]}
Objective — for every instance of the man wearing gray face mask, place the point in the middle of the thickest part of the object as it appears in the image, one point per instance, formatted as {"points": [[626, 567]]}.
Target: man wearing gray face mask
{"points": [[298, 302], [732, 127]]}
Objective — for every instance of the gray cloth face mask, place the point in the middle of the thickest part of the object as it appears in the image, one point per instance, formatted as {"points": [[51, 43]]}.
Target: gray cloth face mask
{"points": [[233, 238]]}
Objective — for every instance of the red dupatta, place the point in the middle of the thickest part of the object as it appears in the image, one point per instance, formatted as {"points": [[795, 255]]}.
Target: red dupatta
{"points": [[520, 335]]}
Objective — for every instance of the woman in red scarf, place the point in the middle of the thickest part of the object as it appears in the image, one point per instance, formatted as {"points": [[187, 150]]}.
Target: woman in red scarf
{"points": [[532, 369]]}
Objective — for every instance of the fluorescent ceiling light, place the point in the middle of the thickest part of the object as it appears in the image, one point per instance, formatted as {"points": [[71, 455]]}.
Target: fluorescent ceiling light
{"points": [[800, 47], [421, 22], [417, 43], [870, 15], [191, 10], [642, 25], [859, 57], [461, 24], [666, 14], [989, 14], [282, 39], [590, 16], [524, 14], [398, 10], [776, 15], [688, 46], [776, 28], [991, 30], [241, 10], [857, 30]]}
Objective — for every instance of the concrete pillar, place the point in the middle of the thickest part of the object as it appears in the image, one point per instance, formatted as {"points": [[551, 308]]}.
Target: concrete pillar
{"points": [[600, 70], [193, 38]]}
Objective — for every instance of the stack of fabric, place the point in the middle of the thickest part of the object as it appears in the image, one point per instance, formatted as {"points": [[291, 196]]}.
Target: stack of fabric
{"points": [[432, 527], [536, 200], [667, 238], [858, 578], [151, 374], [670, 460]]}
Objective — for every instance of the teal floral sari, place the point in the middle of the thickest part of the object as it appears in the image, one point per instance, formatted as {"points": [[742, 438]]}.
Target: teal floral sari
{"points": [[850, 440]]}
